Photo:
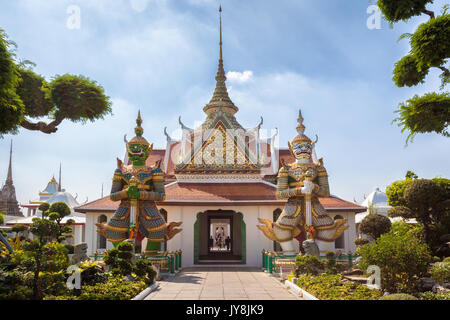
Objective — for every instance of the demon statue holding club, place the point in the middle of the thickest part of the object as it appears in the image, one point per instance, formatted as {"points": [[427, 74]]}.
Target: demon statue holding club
{"points": [[137, 187], [301, 183]]}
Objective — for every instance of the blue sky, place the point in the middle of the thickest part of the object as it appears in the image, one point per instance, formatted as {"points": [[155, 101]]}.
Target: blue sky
{"points": [[160, 56]]}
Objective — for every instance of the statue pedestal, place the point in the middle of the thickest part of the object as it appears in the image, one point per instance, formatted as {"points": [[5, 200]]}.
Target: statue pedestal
{"points": [[325, 246]]}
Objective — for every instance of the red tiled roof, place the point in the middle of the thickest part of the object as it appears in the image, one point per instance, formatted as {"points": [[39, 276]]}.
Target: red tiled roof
{"points": [[180, 193]]}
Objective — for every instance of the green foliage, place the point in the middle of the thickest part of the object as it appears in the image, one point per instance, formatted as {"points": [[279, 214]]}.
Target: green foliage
{"points": [[11, 107], [44, 229], [308, 264], [394, 10], [41, 268], [440, 272], [331, 287], [2, 218], [375, 225], [92, 273], [25, 93], [114, 289], [145, 271], [361, 241], [434, 296], [403, 260], [19, 228], [57, 212], [430, 44], [446, 259], [70, 248], [398, 296], [44, 208], [32, 90], [61, 208], [13, 285], [78, 98], [119, 259], [425, 201], [406, 72], [395, 191], [430, 47], [427, 113]]}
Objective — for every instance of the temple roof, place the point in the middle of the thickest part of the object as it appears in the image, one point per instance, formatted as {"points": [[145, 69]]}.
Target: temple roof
{"points": [[52, 186], [207, 193]]}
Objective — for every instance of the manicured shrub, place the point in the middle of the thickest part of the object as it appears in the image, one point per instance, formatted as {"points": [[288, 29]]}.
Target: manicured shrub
{"points": [[308, 265], [114, 289], [92, 273], [434, 296], [440, 272], [119, 259], [331, 287], [402, 259], [398, 296], [145, 271], [375, 225], [361, 241]]}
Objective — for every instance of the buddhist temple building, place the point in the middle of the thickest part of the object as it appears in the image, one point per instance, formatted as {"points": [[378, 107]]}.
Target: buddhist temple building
{"points": [[8, 202], [52, 193], [219, 173]]}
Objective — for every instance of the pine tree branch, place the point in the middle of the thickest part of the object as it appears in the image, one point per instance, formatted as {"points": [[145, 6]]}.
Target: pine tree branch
{"points": [[42, 126], [430, 13], [446, 71]]}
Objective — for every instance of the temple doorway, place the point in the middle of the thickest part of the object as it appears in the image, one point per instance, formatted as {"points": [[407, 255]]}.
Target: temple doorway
{"points": [[219, 237]]}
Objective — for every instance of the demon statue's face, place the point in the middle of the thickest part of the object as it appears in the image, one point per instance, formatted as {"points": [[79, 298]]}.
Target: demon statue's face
{"points": [[138, 153], [302, 150]]}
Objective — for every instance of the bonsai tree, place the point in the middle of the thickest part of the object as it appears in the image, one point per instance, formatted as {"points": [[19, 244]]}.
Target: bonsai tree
{"points": [[57, 212], [25, 95], [425, 200], [119, 259], [430, 48], [375, 225], [43, 230], [44, 208]]}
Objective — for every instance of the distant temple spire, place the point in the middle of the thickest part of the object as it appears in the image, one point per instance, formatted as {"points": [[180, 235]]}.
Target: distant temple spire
{"points": [[220, 98], [9, 177], [8, 202], [59, 186]]}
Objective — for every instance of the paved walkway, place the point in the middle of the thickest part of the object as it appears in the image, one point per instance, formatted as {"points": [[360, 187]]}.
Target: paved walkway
{"points": [[221, 283]]}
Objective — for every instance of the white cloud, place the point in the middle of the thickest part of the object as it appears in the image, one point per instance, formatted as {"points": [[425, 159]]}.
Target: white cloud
{"points": [[236, 76]]}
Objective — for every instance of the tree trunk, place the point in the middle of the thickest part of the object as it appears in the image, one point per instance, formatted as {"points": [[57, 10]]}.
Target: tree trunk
{"points": [[42, 126], [36, 285]]}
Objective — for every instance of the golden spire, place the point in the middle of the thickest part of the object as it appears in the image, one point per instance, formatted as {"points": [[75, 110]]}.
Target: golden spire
{"points": [[138, 139], [220, 98], [220, 19]]}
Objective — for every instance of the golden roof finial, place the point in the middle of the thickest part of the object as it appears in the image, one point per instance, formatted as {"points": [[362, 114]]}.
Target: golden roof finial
{"points": [[300, 127], [138, 139]]}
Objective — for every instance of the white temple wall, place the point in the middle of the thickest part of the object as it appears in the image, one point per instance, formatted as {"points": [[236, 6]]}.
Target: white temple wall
{"points": [[255, 239]]}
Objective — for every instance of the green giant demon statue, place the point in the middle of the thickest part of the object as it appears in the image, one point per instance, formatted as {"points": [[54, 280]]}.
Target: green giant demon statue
{"points": [[137, 187], [301, 183]]}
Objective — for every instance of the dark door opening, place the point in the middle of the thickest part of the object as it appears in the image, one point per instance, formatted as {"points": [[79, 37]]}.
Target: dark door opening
{"points": [[220, 237]]}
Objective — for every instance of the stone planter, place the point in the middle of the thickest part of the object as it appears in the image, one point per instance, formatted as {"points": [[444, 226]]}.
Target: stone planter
{"points": [[299, 291], [143, 294]]}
